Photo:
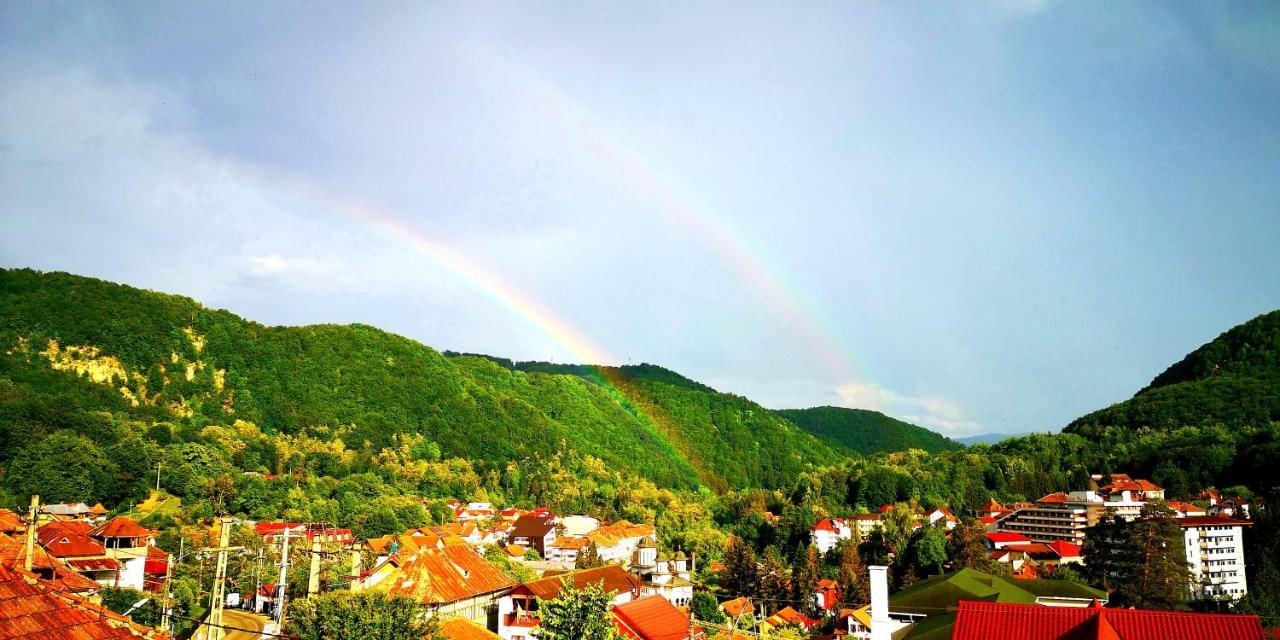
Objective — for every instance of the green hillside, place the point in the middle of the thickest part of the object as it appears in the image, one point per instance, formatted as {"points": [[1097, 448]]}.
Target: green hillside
{"points": [[74, 342], [1233, 380], [864, 431]]}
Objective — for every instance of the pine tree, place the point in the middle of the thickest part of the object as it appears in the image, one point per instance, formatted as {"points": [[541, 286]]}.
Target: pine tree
{"points": [[589, 558], [804, 585], [774, 590], [968, 551], [1157, 575], [852, 576], [742, 573]]}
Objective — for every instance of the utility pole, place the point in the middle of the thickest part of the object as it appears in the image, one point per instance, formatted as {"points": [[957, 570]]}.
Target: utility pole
{"points": [[355, 566], [158, 476], [217, 596], [257, 581], [284, 573], [33, 518], [313, 576], [165, 611]]}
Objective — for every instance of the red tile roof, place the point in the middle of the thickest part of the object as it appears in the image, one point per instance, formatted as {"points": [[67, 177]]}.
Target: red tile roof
{"points": [[825, 525], [984, 620], [30, 610], [10, 522], [738, 606], [463, 629], [652, 618], [1006, 537], [121, 527], [449, 574], [64, 540], [1055, 497], [1066, 549], [612, 578]]}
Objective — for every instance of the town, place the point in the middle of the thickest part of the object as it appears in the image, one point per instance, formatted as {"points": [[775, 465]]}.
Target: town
{"points": [[501, 572]]}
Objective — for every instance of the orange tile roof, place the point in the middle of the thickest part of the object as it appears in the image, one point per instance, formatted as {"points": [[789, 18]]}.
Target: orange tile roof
{"points": [[464, 629], [65, 541], [29, 609], [612, 578], [651, 618], [121, 527], [437, 576], [10, 522], [738, 606]]}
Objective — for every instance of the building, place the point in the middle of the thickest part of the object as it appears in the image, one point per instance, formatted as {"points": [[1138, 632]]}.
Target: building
{"points": [[566, 550], [864, 524], [788, 616], [1057, 516], [1215, 553], [129, 544], [828, 532], [29, 608], [274, 532], [669, 578], [620, 542], [450, 581], [463, 629], [519, 608], [533, 532], [827, 595], [738, 607], [985, 620], [654, 618]]}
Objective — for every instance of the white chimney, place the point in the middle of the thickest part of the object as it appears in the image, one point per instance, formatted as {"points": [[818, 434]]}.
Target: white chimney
{"points": [[880, 621]]}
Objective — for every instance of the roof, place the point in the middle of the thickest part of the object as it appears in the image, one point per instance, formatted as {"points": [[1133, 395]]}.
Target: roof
{"points": [[64, 541], [943, 592], [738, 606], [121, 527], [464, 629], [449, 574], [651, 618], [531, 527], [1055, 497], [10, 522], [1124, 483], [612, 578], [30, 609], [827, 524], [1006, 536], [982, 620], [1066, 549], [788, 615], [1212, 521]]}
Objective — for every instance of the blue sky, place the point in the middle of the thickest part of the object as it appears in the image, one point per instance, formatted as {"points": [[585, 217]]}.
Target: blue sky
{"points": [[977, 216]]}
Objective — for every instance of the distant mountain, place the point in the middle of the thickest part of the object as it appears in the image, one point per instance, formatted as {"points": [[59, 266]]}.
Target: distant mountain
{"points": [[1233, 380], [864, 431], [989, 438], [72, 346]]}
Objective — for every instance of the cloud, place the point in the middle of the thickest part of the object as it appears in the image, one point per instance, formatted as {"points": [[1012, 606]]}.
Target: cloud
{"points": [[932, 412]]}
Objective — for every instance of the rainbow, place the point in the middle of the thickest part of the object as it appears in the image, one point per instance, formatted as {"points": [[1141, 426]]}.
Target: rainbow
{"points": [[730, 246]]}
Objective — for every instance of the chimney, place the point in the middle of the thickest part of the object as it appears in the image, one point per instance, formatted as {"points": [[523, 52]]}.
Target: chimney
{"points": [[880, 603]]}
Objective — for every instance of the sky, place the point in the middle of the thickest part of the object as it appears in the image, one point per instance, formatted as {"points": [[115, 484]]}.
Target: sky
{"points": [[977, 216]]}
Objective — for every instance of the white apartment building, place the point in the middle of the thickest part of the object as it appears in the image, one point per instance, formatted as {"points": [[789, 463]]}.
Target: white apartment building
{"points": [[828, 532], [1215, 552]]}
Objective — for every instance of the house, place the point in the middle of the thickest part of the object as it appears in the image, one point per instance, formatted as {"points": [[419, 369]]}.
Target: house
{"points": [[788, 616], [654, 618], [29, 608], [1184, 509], [450, 581], [533, 532], [943, 515], [1214, 546], [1001, 539], [519, 608], [566, 550], [738, 607], [827, 595], [827, 532], [51, 571], [620, 542], [864, 524], [70, 542], [984, 620], [128, 543]]}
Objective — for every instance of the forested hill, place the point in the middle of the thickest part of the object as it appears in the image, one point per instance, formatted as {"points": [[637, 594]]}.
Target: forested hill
{"points": [[1233, 380], [864, 431], [70, 346]]}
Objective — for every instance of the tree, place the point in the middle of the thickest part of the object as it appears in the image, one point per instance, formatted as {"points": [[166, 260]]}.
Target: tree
{"points": [[741, 569], [589, 558], [967, 547], [705, 608], [61, 467], [930, 548], [774, 589], [121, 600], [365, 615], [805, 581], [578, 614], [1154, 572], [852, 575]]}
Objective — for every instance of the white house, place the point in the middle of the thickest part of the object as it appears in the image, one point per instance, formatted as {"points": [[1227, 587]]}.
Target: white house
{"points": [[829, 531]]}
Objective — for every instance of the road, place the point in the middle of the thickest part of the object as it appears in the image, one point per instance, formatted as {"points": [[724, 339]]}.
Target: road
{"points": [[243, 620]]}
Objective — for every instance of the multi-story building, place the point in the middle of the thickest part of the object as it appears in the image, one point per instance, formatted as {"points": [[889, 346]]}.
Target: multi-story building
{"points": [[1215, 552], [1057, 516], [828, 532]]}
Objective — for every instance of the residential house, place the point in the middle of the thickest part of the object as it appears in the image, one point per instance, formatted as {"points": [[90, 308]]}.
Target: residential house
{"points": [[274, 532], [736, 608], [654, 618], [128, 543], [864, 524], [828, 532], [450, 581], [30, 608], [534, 532], [620, 541], [519, 608], [984, 620], [941, 515], [1184, 509], [788, 616], [1214, 547], [51, 571], [565, 550], [827, 595], [71, 543]]}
